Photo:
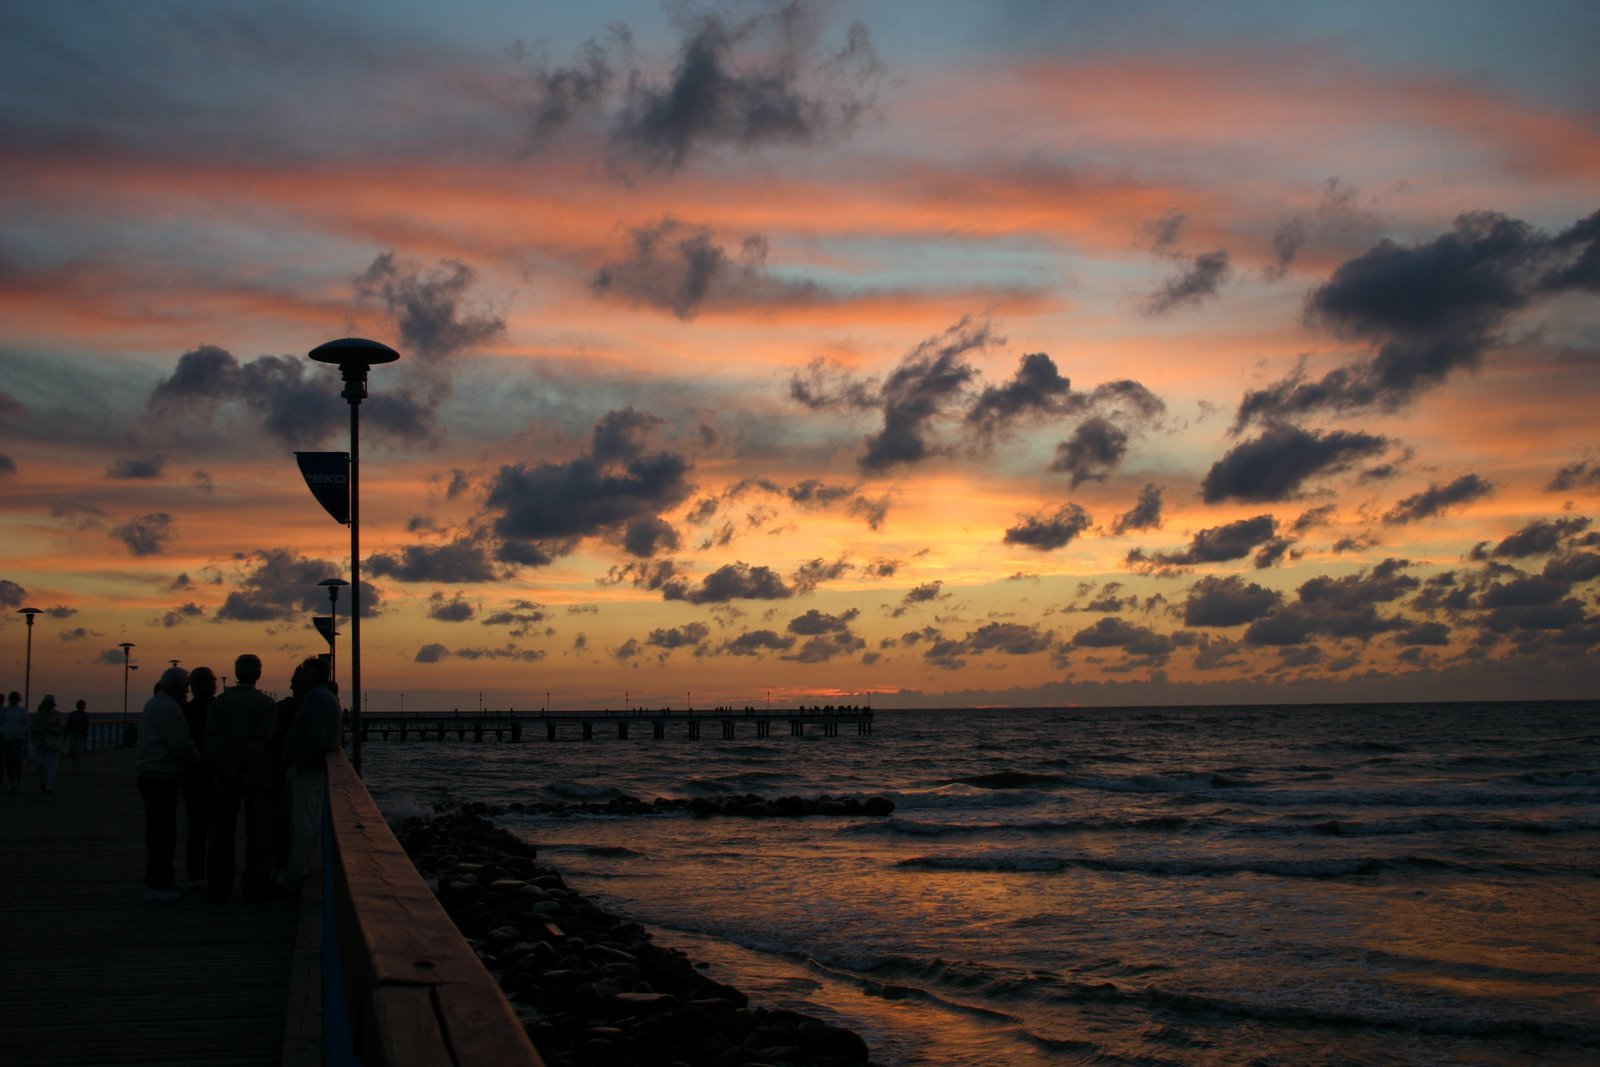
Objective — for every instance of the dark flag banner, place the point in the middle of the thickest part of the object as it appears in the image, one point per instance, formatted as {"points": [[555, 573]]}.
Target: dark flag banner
{"points": [[327, 474], [324, 625]]}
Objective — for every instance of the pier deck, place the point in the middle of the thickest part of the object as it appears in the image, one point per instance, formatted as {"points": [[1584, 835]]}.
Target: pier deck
{"points": [[92, 974]]}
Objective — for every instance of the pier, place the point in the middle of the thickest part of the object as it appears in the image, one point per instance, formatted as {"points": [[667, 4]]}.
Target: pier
{"points": [[527, 726], [94, 974]]}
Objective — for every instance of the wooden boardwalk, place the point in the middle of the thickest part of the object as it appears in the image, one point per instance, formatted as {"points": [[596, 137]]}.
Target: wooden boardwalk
{"points": [[90, 973]]}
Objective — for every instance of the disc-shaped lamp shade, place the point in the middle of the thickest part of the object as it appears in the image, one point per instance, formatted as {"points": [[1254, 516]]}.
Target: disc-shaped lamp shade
{"points": [[353, 351]]}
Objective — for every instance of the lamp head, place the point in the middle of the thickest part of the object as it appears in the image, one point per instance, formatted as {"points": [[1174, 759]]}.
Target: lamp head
{"points": [[354, 356], [30, 613]]}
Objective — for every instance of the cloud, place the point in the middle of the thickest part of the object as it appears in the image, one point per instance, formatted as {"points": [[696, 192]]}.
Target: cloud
{"points": [[1228, 601], [1145, 513], [282, 585], [182, 614], [815, 622], [541, 510], [12, 595], [455, 609], [1539, 538], [1047, 532], [429, 306], [1216, 544], [1200, 278], [1276, 464], [146, 535], [680, 268], [1094, 449], [1037, 388], [562, 94], [689, 635], [1113, 632], [917, 392], [137, 468], [926, 593], [521, 615], [456, 563], [1580, 475], [756, 642], [432, 653], [744, 85], [1438, 498], [809, 575], [1428, 310], [7, 465], [824, 647], [648, 536], [295, 406], [733, 581]]}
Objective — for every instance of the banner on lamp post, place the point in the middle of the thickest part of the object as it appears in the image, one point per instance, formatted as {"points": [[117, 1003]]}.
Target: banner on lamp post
{"points": [[327, 475], [324, 625]]}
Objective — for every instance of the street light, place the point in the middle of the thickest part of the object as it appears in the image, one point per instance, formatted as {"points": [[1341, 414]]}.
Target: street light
{"points": [[27, 672], [126, 646], [333, 585], [354, 356]]}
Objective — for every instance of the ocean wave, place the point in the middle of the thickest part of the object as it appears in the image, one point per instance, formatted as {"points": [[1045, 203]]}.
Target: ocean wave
{"points": [[570, 790], [1176, 782], [925, 828], [963, 796], [1184, 866], [1007, 780]]}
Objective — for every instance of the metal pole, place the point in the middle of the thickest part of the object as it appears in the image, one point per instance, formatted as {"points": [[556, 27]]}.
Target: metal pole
{"points": [[355, 583], [27, 670]]}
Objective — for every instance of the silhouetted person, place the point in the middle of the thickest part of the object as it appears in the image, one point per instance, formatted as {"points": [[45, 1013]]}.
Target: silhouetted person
{"points": [[165, 751], [239, 727], [313, 734], [197, 778], [49, 733], [77, 733], [288, 708], [13, 735]]}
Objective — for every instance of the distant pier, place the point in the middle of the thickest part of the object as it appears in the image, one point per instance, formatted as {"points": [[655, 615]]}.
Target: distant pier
{"points": [[520, 726]]}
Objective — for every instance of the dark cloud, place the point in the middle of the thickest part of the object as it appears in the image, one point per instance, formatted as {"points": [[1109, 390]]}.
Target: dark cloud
{"points": [[1273, 552], [12, 595], [917, 392], [1047, 532], [1163, 232], [1428, 310], [430, 306], [809, 575], [1113, 632], [1312, 518], [1093, 451], [824, 647], [1216, 544], [281, 585], [756, 642], [456, 563], [1200, 278], [296, 406], [689, 635], [507, 651], [432, 653], [7, 465], [1286, 243], [1353, 592], [1539, 538], [1581, 475], [1228, 601], [652, 575], [744, 85], [452, 609], [1145, 513], [1276, 464], [545, 508], [1424, 633], [1037, 388], [521, 616], [650, 535], [146, 535], [1009, 638], [681, 268], [561, 94], [824, 385], [817, 622], [1438, 498], [926, 593], [182, 614], [147, 468], [733, 581]]}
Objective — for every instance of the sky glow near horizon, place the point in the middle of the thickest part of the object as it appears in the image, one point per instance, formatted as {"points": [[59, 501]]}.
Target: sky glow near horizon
{"points": [[988, 353]]}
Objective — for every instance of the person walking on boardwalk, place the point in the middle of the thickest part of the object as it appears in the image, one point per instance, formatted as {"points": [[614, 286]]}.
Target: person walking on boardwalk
{"points": [[197, 778], [239, 727], [314, 733], [165, 750], [13, 735], [77, 733], [49, 734], [288, 708]]}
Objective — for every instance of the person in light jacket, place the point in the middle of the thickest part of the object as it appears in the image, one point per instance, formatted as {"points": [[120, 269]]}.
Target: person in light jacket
{"points": [[48, 731], [165, 750], [13, 736]]}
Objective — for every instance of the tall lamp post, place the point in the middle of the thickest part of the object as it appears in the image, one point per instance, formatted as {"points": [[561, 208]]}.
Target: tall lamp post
{"points": [[354, 356], [27, 670], [127, 647], [333, 585]]}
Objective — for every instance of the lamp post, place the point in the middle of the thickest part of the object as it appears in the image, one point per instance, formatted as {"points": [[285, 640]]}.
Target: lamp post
{"points": [[333, 585], [27, 670], [127, 647], [354, 356]]}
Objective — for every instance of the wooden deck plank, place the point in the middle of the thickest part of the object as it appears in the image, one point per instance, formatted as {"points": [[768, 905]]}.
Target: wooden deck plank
{"points": [[92, 973]]}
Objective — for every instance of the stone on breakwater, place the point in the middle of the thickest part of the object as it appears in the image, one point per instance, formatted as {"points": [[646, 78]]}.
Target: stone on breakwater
{"points": [[592, 988]]}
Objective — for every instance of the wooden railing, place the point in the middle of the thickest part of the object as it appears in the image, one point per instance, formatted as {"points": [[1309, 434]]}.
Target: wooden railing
{"points": [[417, 996]]}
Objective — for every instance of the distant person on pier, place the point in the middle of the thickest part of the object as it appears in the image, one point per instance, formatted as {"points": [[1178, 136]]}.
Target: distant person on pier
{"points": [[49, 734], [13, 735], [165, 751], [314, 733], [197, 778], [239, 727], [278, 811], [77, 733]]}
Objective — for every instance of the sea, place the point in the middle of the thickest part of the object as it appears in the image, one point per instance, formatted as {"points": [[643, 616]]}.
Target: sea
{"points": [[1337, 884]]}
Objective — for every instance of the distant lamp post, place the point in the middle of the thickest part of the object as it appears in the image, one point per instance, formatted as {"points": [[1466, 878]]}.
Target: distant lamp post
{"points": [[333, 585], [127, 647], [27, 670], [354, 356]]}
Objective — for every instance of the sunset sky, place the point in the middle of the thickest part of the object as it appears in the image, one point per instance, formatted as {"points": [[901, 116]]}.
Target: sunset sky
{"points": [[955, 353]]}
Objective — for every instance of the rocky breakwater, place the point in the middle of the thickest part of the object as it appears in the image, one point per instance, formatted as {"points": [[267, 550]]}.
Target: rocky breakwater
{"points": [[592, 988]]}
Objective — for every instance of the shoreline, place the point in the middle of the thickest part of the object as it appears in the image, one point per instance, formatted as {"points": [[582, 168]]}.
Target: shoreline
{"points": [[591, 987]]}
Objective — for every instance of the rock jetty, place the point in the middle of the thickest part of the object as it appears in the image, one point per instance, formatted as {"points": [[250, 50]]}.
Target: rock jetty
{"points": [[592, 988]]}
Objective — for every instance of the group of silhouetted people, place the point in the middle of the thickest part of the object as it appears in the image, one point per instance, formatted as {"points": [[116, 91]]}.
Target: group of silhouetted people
{"points": [[49, 732], [227, 753]]}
